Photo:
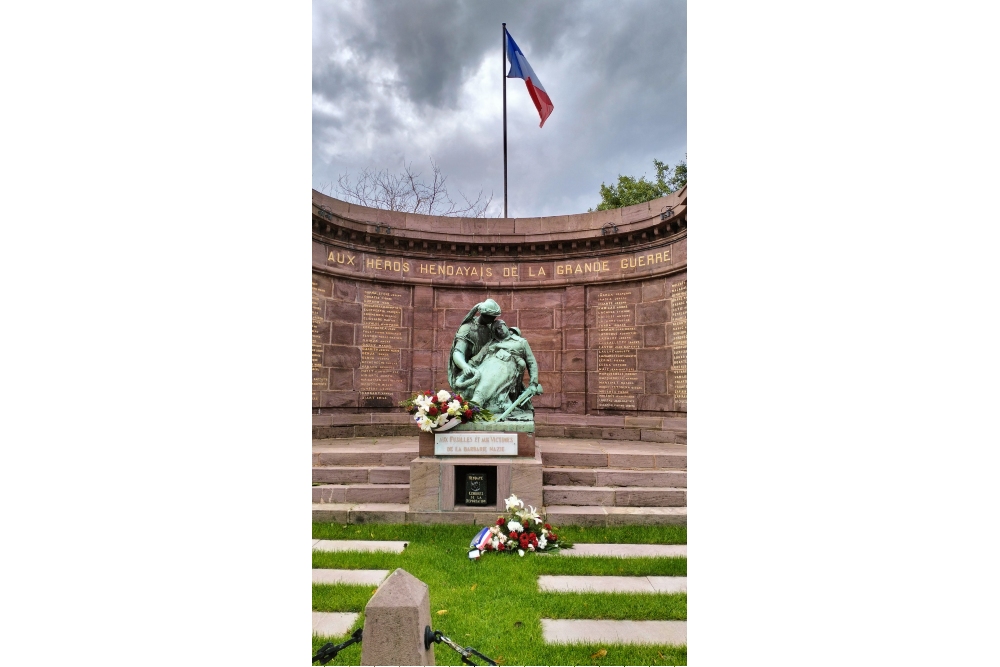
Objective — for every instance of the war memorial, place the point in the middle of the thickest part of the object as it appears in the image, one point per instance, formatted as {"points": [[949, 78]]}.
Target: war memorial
{"points": [[572, 329]]}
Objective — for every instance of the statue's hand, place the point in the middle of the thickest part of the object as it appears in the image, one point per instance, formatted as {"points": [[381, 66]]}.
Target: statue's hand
{"points": [[467, 378], [535, 386]]}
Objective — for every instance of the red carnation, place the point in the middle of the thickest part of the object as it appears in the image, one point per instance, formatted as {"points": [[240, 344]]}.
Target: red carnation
{"points": [[500, 546], [458, 397], [468, 414], [548, 527], [500, 521], [513, 536], [433, 410], [553, 537], [427, 393]]}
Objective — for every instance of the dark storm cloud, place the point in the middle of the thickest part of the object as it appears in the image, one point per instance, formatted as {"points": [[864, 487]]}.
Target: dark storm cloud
{"points": [[395, 80]]}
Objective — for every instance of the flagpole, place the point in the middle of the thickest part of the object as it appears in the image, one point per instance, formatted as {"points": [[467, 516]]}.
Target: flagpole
{"points": [[503, 73]]}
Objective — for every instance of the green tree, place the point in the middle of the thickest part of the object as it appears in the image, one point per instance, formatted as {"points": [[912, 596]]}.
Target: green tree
{"points": [[635, 191]]}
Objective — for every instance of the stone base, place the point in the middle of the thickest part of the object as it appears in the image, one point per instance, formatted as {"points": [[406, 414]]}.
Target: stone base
{"points": [[432, 481], [525, 436]]}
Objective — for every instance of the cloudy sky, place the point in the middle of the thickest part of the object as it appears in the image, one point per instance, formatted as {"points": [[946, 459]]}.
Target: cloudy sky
{"points": [[422, 79]]}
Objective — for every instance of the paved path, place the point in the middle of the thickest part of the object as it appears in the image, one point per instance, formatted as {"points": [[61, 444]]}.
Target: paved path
{"points": [[578, 584], [332, 624], [564, 631], [627, 550], [353, 577], [358, 545]]}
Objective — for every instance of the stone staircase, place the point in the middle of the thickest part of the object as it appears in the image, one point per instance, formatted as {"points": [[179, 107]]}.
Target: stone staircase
{"points": [[362, 471], [584, 482], [618, 482]]}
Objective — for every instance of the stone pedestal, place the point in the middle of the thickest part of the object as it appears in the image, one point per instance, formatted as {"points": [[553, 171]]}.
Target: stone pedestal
{"points": [[432, 482], [433, 478]]}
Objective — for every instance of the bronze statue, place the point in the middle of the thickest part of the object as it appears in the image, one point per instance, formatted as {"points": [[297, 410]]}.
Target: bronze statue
{"points": [[472, 336], [501, 364]]}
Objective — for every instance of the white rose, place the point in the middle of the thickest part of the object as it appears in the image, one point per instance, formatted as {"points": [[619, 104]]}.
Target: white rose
{"points": [[520, 552], [443, 396], [542, 542]]}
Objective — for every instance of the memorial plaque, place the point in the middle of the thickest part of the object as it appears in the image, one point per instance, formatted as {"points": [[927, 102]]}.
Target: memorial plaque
{"points": [[678, 328], [381, 339], [320, 380], [475, 443], [475, 488], [618, 338]]}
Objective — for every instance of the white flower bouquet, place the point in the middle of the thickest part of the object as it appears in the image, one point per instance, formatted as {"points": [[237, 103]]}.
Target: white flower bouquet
{"points": [[443, 411]]}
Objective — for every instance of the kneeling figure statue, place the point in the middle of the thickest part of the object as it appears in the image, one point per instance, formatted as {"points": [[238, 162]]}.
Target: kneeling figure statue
{"points": [[501, 364]]}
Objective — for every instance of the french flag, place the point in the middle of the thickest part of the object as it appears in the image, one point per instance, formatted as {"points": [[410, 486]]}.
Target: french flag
{"points": [[520, 69]]}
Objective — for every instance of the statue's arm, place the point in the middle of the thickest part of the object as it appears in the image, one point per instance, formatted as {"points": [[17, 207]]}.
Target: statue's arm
{"points": [[532, 366], [458, 356]]}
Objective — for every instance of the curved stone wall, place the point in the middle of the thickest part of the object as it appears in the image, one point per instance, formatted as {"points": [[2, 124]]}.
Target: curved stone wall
{"points": [[601, 298]]}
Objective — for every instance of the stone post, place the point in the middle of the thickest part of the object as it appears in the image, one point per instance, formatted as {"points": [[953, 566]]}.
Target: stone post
{"points": [[395, 619]]}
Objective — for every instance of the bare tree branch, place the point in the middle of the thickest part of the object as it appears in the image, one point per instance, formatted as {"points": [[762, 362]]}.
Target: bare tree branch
{"points": [[405, 191]]}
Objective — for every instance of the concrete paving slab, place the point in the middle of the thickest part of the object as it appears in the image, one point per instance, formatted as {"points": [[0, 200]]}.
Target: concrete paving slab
{"points": [[627, 550], [586, 584], [359, 545], [333, 624], [352, 577], [572, 631], [669, 584], [591, 584]]}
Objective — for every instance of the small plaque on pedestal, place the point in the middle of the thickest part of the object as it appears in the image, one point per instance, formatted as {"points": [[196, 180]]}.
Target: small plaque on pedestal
{"points": [[475, 488], [475, 443]]}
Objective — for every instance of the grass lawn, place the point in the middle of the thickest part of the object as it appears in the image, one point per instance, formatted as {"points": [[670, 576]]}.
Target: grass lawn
{"points": [[494, 605]]}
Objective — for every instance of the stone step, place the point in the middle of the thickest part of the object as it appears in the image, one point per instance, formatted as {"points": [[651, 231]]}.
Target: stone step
{"points": [[612, 496], [361, 493], [371, 456], [560, 515], [359, 513], [362, 474], [608, 454], [613, 477], [595, 515]]}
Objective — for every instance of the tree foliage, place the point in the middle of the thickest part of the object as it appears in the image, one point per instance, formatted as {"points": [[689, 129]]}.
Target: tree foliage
{"points": [[406, 191], [631, 190]]}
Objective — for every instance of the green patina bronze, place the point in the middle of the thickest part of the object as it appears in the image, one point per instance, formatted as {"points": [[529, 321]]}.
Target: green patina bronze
{"points": [[504, 427], [487, 364]]}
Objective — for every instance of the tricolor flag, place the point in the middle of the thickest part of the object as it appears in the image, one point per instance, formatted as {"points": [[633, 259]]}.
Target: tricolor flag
{"points": [[520, 69]]}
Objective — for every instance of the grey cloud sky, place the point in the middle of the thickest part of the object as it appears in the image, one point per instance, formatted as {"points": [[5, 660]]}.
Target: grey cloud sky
{"points": [[421, 79]]}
